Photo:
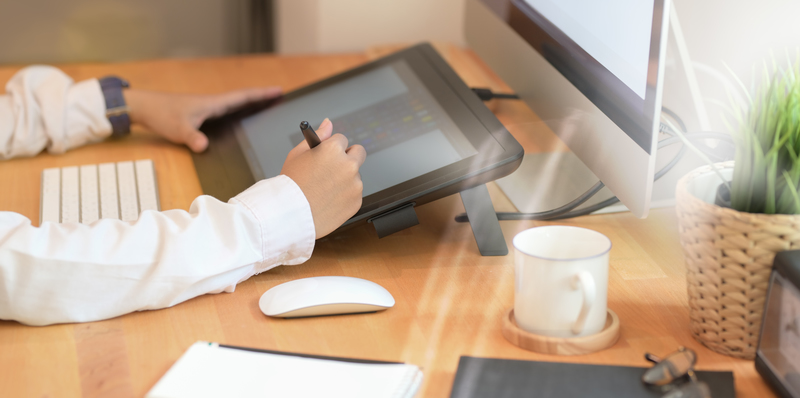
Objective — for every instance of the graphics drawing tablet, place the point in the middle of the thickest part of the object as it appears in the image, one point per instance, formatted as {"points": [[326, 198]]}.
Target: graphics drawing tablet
{"points": [[426, 134]]}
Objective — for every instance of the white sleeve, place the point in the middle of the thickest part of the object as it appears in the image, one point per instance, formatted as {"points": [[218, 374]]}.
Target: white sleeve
{"points": [[73, 272], [44, 108]]}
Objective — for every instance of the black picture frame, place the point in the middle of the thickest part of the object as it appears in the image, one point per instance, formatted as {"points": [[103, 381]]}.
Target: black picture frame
{"points": [[786, 270]]}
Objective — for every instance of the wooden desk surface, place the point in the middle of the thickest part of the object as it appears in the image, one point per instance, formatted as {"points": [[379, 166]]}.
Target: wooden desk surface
{"points": [[450, 300]]}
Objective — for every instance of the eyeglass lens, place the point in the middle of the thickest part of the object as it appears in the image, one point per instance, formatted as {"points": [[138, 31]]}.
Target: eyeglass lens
{"points": [[695, 389], [671, 368]]}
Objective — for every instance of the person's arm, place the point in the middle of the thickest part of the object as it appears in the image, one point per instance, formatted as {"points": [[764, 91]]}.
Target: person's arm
{"points": [[45, 108], [59, 273], [73, 272]]}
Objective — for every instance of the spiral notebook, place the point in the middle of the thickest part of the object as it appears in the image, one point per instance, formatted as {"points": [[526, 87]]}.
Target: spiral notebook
{"points": [[213, 370]]}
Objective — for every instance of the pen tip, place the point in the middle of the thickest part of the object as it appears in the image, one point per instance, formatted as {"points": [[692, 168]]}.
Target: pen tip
{"points": [[303, 125]]}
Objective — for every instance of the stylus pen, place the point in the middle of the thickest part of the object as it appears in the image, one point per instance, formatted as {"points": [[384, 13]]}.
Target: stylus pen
{"points": [[308, 132]]}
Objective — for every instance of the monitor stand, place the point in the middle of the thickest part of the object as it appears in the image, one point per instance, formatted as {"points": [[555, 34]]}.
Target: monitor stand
{"points": [[482, 219], [545, 181]]}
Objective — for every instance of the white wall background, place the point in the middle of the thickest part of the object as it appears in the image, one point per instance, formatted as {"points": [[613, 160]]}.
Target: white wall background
{"points": [[52, 31], [309, 26], [739, 33]]}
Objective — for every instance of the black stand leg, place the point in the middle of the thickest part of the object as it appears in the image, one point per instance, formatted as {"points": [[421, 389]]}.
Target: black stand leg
{"points": [[483, 220]]}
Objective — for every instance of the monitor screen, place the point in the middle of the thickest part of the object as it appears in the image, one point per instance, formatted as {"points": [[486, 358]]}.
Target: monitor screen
{"points": [[619, 41], [592, 71], [608, 50], [388, 110]]}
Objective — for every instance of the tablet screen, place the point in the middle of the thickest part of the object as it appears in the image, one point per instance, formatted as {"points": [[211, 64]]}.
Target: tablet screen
{"points": [[388, 110]]}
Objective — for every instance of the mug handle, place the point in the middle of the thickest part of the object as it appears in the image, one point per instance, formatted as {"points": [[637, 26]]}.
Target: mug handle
{"points": [[585, 282]]}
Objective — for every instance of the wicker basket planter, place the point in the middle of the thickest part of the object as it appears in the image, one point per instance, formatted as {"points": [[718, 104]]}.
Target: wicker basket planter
{"points": [[729, 259]]}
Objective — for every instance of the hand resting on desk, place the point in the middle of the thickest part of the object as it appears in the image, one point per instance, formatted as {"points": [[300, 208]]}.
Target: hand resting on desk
{"points": [[177, 117]]}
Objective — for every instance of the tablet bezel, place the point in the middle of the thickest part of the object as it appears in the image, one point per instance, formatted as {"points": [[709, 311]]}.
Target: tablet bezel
{"points": [[224, 171]]}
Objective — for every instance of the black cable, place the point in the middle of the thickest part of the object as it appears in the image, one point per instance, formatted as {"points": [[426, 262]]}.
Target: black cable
{"points": [[613, 200], [664, 170], [486, 94], [674, 117], [566, 211], [548, 214]]}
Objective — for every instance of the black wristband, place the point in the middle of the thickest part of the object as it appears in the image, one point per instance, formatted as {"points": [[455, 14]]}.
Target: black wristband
{"points": [[116, 109]]}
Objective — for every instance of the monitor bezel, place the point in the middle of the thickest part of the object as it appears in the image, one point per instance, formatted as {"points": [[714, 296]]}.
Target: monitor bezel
{"points": [[607, 151], [634, 116]]}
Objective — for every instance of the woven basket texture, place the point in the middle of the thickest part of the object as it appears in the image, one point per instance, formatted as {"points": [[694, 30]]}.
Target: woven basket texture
{"points": [[729, 258]]}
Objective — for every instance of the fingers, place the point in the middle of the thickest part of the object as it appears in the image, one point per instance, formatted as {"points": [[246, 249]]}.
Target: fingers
{"points": [[337, 140], [240, 97], [220, 104], [358, 153], [303, 145], [324, 133], [196, 141], [325, 129]]}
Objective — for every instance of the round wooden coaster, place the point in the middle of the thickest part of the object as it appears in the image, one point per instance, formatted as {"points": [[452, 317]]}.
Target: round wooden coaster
{"points": [[562, 345]]}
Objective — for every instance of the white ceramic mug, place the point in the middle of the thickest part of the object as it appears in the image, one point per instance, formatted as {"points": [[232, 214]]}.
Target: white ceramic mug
{"points": [[561, 280]]}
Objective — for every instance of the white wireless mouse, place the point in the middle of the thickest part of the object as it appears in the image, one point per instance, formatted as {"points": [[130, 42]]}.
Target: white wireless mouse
{"points": [[324, 295]]}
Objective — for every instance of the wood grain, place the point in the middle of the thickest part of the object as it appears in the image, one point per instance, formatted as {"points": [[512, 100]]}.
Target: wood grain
{"points": [[561, 345], [450, 300]]}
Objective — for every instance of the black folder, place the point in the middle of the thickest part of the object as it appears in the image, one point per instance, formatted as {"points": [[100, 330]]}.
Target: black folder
{"points": [[505, 378]]}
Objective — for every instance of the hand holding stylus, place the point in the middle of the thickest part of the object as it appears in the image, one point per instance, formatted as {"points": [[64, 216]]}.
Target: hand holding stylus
{"points": [[309, 134], [328, 177]]}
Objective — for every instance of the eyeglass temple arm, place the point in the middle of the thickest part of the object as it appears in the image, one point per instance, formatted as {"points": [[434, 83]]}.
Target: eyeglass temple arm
{"points": [[652, 358]]}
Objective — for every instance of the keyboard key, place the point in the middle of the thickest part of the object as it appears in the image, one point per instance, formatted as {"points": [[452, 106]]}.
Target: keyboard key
{"points": [[51, 196], [109, 201], [146, 185], [90, 206], [128, 201], [70, 195]]}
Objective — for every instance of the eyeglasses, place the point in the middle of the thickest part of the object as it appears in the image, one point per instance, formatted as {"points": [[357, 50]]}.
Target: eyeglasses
{"points": [[674, 375]]}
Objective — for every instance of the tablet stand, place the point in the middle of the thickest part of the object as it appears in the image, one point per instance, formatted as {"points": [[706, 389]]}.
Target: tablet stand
{"points": [[483, 220], [396, 220], [480, 211]]}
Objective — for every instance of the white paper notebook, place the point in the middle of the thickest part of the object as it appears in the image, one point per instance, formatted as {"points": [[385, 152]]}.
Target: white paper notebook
{"points": [[87, 193], [209, 370]]}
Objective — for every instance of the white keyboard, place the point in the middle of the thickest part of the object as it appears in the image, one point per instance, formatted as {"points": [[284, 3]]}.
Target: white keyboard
{"points": [[87, 193]]}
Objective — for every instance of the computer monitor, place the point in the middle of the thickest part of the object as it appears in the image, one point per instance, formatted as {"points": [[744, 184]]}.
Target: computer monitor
{"points": [[592, 71]]}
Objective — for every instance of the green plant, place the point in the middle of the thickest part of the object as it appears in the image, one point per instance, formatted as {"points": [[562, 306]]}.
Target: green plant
{"points": [[766, 131]]}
